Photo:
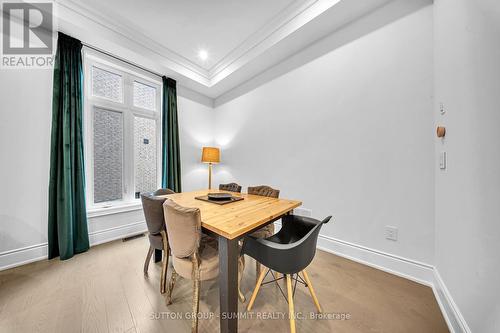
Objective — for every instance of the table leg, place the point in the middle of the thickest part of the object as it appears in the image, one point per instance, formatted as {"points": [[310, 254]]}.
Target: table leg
{"points": [[158, 255], [228, 284]]}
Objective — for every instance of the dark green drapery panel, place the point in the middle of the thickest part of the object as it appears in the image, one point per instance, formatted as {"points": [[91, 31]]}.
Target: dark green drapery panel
{"points": [[67, 233], [171, 157]]}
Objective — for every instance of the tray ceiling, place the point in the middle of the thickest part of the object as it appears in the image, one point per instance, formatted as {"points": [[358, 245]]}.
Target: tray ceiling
{"points": [[242, 38], [186, 27]]}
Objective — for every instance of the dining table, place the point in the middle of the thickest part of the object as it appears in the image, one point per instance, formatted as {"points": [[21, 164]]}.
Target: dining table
{"points": [[229, 223]]}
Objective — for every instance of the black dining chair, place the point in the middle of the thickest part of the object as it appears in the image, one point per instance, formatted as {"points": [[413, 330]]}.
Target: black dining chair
{"points": [[288, 252]]}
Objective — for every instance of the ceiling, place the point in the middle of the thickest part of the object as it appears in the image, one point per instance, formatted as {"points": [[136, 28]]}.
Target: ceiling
{"points": [[243, 38], [185, 27]]}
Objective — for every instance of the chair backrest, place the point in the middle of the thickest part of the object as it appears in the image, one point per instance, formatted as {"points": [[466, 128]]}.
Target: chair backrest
{"points": [[303, 250], [232, 187], [264, 190], [183, 228], [290, 250], [153, 212], [163, 191]]}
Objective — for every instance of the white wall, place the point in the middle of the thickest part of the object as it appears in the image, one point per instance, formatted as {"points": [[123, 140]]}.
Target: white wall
{"points": [[25, 117], [196, 131], [25, 125], [467, 80], [349, 134]]}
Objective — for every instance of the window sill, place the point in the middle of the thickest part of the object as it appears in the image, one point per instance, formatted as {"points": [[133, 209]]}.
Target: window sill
{"points": [[102, 211]]}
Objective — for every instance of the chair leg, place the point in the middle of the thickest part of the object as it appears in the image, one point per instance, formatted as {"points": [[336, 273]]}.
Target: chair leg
{"points": [[196, 304], [241, 262], [256, 290], [164, 266], [258, 269], [148, 259], [171, 285], [311, 290], [163, 278], [240, 295], [195, 275], [278, 276], [291, 310]]}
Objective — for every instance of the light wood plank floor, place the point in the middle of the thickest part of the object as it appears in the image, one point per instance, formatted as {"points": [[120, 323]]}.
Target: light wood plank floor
{"points": [[104, 290]]}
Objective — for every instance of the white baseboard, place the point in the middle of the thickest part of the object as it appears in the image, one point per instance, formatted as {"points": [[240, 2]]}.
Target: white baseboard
{"points": [[111, 234], [454, 318], [410, 269], [22, 256], [28, 254], [406, 268]]}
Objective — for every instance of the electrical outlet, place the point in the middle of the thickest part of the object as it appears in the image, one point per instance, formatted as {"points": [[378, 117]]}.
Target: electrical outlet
{"points": [[391, 233], [303, 212]]}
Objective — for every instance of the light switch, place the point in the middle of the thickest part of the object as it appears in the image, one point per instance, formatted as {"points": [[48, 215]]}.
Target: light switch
{"points": [[441, 108], [442, 160]]}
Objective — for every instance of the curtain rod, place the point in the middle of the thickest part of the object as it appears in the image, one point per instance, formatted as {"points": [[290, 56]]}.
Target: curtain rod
{"points": [[121, 59]]}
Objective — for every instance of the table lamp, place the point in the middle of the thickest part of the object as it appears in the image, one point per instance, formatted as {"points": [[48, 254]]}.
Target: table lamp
{"points": [[210, 155]]}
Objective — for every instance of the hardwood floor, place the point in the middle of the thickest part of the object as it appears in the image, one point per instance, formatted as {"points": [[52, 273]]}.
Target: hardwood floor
{"points": [[104, 290]]}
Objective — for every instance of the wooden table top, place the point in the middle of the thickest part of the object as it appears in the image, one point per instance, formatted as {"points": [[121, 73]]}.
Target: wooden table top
{"points": [[235, 219]]}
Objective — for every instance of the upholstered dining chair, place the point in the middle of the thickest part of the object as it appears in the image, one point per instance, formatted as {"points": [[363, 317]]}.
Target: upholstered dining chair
{"points": [[268, 230], [153, 213], [194, 255], [288, 252], [232, 187], [163, 191]]}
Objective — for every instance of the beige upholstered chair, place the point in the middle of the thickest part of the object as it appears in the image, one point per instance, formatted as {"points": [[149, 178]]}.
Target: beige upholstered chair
{"points": [[264, 190], [153, 212], [194, 255], [268, 230], [232, 187], [163, 191]]}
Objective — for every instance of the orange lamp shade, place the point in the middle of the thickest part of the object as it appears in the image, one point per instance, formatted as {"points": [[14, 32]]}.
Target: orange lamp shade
{"points": [[210, 155]]}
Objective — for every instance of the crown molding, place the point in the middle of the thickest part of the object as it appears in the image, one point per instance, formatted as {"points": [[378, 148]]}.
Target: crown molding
{"points": [[294, 30], [294, 16], [291, 11], [281, 26], [133, 34]]}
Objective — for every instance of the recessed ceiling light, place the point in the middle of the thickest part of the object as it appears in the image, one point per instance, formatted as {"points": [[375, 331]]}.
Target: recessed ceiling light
{"points": [[203, 54]]}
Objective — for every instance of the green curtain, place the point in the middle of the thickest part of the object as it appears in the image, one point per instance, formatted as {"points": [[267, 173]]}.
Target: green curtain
{"points": [[67, 232], [171, 157]]}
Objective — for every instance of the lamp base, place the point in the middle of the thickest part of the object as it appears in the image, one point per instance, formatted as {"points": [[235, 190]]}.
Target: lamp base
{"points": [[209, 176]]}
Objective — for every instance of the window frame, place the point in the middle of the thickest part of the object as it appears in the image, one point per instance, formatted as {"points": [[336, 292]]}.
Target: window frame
{"points": [[129, 74]]}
